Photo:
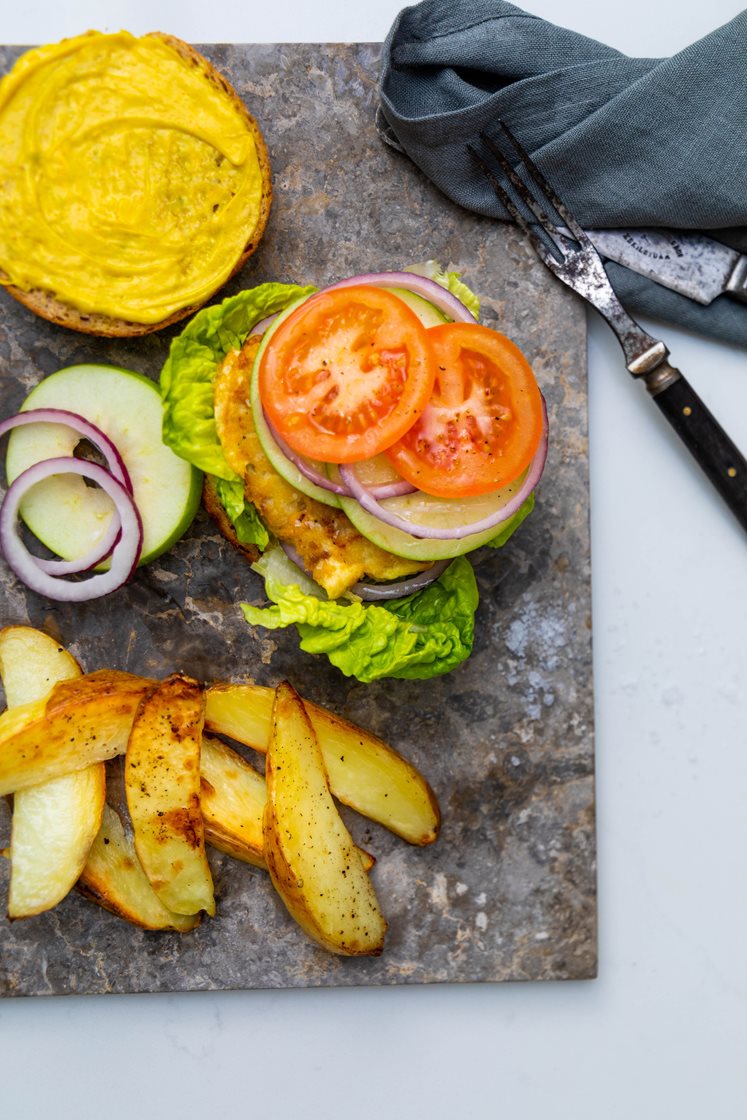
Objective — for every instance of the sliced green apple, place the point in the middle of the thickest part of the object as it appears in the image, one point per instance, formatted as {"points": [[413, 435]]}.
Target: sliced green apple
{"points": [[66, 514], [423, 510], [428, 313]]}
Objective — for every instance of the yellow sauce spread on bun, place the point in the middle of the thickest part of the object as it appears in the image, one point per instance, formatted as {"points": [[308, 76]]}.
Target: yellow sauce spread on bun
{"points": [[135, 182]]}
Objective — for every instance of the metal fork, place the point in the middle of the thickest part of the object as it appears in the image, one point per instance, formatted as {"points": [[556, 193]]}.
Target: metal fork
{"points": [[571, 256]]}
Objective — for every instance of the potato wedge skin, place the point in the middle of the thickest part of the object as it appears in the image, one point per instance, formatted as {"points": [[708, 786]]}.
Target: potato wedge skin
{"points": [[162, 780], [364, 772], [81, 722], [113, 878], [54, 823], [310, 854]]}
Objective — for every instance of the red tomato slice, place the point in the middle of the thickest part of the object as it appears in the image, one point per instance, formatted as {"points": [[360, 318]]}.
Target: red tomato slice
{"points": [[483, 424], [346, 374]]}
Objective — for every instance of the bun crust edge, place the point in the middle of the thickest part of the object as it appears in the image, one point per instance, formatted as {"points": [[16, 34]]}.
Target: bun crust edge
{"points": [[214, 507], [45, 303]]}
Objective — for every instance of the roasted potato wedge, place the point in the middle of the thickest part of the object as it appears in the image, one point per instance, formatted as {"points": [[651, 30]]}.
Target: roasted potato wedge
{"points": [[53, 827], [232, 799], [54, 823], [113, 878], [310, 854], [32, 663], [364, 772], [183, 788], [162, 780], [81, 722]]}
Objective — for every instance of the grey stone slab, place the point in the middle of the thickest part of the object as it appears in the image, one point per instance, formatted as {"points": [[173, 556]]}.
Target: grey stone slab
{"points": [[508, 891]]}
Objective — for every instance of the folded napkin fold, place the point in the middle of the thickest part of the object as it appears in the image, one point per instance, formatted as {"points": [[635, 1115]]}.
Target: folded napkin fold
{"points": [[625, 141]]}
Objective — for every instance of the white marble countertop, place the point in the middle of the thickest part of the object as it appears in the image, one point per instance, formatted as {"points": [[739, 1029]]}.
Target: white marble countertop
{"points": [[661, 1032]]}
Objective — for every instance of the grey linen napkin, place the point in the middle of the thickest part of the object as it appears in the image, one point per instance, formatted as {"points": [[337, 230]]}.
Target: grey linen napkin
{"points": [[625, 141]]}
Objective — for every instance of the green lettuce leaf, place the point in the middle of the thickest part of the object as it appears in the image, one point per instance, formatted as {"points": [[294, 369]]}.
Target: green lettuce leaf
{"points": [[421, 636], [455, 285], [243, 516], [451, 281], [187, 376]]}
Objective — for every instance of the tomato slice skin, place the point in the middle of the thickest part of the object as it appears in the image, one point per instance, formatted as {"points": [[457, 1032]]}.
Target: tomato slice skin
{"points": [[346, 374], [483, 424]]}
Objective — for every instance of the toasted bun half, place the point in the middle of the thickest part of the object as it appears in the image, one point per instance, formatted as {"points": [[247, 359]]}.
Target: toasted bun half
{"points": [[62, 310]]}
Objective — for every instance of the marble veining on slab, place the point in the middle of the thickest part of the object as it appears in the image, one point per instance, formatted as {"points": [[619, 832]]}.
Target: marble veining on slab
{"points": [[508, 890]]}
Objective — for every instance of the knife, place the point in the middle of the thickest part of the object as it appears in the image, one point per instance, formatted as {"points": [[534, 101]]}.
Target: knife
{"points": [[689, 263], [692, 264], [574, 259]]}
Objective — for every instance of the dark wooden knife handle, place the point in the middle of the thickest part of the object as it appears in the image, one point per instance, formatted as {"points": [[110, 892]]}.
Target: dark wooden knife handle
{"points": [[702, 434]]}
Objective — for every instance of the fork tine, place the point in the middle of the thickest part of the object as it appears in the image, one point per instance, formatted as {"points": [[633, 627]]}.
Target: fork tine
{"points": [[521, 188], [534, 171], [539, 246]]}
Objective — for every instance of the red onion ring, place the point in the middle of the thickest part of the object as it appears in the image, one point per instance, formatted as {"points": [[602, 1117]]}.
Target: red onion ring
{"points": [[393, 489], [294, 556], [304, 465], [263, 324], [423, 286], [308, 470], [114, 462], [396, 489], [91, 558], [426, 532], [377, 592], [126, 552]]}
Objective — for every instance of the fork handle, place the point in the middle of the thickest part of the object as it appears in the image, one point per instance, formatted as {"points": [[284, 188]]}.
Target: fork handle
{"points": [[704, 437]]}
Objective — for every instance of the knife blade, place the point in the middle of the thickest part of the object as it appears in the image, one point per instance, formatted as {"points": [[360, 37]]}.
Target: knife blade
{"points": [[573, 258], [692, 264]]}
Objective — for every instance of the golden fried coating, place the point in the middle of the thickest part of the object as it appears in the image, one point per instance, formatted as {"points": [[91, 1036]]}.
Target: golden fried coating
{"points": [[332, 550]]}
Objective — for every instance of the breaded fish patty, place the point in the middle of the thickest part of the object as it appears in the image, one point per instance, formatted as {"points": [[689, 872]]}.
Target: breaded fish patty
{"points": [[331, 549]]}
